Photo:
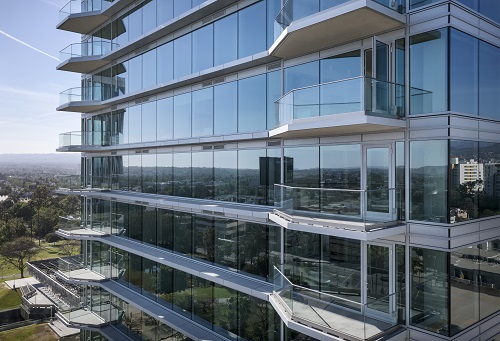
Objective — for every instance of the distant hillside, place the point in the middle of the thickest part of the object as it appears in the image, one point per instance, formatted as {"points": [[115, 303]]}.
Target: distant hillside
{"points": [[41, 162]]}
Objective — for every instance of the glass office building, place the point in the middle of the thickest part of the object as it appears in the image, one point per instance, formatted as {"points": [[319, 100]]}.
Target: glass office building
{"points": [[283, 170]]}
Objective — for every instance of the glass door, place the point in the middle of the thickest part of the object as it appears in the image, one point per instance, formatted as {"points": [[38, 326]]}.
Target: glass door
{"points": [[378, 180], [380, 281], [379, 88]]}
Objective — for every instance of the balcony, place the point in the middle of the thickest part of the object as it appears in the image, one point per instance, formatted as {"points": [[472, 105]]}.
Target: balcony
{"points": [[342, 212], [102, 225], [345, 318], [303, 27], [82, 16], [78, 140], [85, 57], [348, 106], [84, 99], [104, 266]]}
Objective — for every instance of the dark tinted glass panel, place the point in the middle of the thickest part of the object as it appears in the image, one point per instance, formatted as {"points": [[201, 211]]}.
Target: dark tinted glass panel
{"points": [[135, 172], [165, 285], [120, 31], [225, 303], [253, 249], [489, 80], [226, 242], [164, 174], [341, 268], [251, 176], [149, 278], [491, 9], [429, 290], [302, 258], [182, 293], [252, 29], [464, 293], [428, 72], [225, 175], [182, 174], [252, 104], [203, 112], [204, 234], [225, 108], [135, 272], [203, 301], [203, 45], [149, 173], [489, 195], [202, 170], [489, 280], [463, 73], [341, 166], [465, 180], [183, 233], [165, 228], [225, 40], [428, 179]]}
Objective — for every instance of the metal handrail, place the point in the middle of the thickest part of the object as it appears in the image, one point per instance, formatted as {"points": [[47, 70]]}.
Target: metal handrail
{"points": [[336, 189]]}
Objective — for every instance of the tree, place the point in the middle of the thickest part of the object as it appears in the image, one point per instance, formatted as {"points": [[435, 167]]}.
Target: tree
{"points": [[69, 247], [18, 252]]}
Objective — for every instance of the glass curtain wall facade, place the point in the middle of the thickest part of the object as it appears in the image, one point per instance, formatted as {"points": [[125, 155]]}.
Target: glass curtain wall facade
{"points": [[260, 183]]}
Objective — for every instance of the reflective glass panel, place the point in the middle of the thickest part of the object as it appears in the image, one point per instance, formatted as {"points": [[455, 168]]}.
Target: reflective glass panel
{"points": [[252, 29], [252, 104], [225, 39], [203, 112], [203, 175], [165, 119], [428, 72], [182, 174], [149, 69], [182, 116], [203, 48], [149, 121], [225, 175], [489, 80], [182, 56], [225, 108]]}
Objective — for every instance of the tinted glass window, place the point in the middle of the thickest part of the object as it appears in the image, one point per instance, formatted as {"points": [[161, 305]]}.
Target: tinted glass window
{"points": [[182, 115], [252, 29], [225, 108], [182, 56], [225, 39], [252, 104], [203, 112], [203, 44]]}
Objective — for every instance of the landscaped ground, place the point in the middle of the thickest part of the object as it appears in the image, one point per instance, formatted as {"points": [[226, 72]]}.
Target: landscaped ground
{"points": [[47, 250], [36, 332], [9, 298]]}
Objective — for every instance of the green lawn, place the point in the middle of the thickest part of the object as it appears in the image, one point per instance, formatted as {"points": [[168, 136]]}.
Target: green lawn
{"points": [[36, 332], [47, 251], [8, 298]]}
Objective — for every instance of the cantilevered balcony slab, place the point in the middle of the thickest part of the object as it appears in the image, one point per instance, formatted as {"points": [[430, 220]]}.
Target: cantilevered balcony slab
{"points": [[346, 22], [339, 124], [75, 19], [85, 64], [339, 228], [81, 106]]}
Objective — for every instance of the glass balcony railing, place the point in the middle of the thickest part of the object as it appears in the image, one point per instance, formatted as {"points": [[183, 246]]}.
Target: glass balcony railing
{"points": [[72, 138], [97, 92], [82, 6], [328, 312], [294, 10], [99, 224], [87, 49], [85, 138], [100, 266], [363, 209], [375, 97], [70, 181]]}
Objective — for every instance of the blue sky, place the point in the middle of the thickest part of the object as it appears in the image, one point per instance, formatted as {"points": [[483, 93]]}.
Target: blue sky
{"points": [[29, 82]]}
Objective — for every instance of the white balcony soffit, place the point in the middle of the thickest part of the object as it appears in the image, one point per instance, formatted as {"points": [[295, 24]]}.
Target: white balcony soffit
{"points": [[337, 228], [340, 24], [84, 64], [338, 124]]}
